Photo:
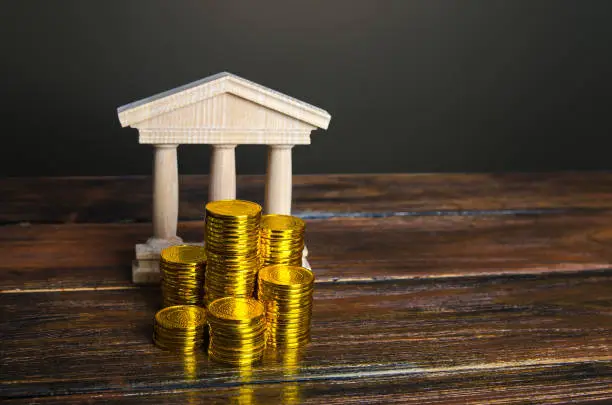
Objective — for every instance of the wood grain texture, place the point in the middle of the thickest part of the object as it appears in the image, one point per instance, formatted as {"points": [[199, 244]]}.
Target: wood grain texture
{"points": [[342, 249], [582, 384], [128, 199], [426, 337], [431, 289]]}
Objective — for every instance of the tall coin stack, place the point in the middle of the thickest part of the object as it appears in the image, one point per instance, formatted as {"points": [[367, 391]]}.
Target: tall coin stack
{"points": [[232, 243], [286, 293], [180, 328], [237, 330], [282, 240], [182, 270]]}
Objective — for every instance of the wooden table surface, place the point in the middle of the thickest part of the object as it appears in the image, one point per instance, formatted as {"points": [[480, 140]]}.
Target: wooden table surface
{"points": [[447, 289]]}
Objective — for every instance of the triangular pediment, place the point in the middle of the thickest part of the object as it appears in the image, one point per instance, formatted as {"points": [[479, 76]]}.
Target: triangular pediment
{"points": [[224, 112], [222, 101]]}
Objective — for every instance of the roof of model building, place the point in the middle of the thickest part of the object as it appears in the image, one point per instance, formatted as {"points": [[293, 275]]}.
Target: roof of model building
{"points": [[217, 84]]}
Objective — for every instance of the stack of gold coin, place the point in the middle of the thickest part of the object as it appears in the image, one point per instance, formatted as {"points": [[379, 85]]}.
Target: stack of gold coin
{"points": [[182, 270], [180, 328], [281, 240], [286, 293], [232, 244], [237, 330]]}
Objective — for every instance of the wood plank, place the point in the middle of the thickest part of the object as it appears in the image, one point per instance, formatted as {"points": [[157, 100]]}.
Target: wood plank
{"points": [[443, 335], [341, 249], [120, 199], [588, 383]]}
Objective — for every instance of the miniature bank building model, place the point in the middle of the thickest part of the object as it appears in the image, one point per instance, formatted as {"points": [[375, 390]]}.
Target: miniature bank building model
{"points": [[224, 111]]}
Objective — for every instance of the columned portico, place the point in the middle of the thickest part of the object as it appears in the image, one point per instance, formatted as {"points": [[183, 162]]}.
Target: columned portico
{"points": [[279, 180], [222, 173], [223, 111]]}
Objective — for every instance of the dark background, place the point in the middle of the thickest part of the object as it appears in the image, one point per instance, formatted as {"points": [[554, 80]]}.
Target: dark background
{"points": [[412, 86]]}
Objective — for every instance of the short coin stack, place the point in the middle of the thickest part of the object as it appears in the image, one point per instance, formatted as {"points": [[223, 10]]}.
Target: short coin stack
{"points": [[237, 330], [286, 293], [282, 240], [182, 270], [180, 328], [232, 243]]}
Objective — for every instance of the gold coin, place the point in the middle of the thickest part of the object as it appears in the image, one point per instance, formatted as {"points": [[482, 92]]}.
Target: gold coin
{"points": [[181, 349], [236, 309], [232, 335], [286, 275], [238, 330], [184, 254], [182, 270], [233, 208], [281, 240], [180, 328], [181, 317], [276, 222], [243, 333], [286, 292], [232, 244]]}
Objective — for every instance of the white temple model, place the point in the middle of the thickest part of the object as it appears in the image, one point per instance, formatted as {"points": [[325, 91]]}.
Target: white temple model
{"points": [[222, 110]]}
